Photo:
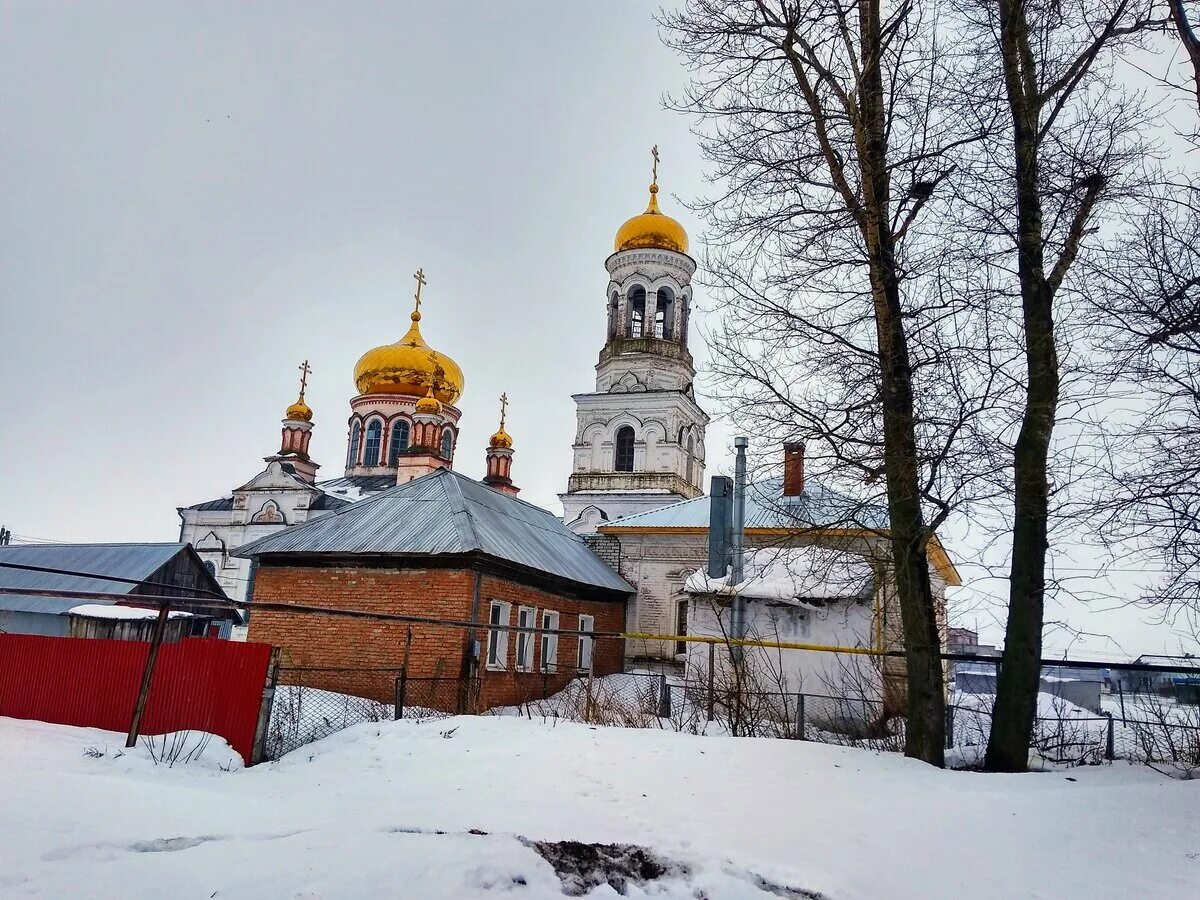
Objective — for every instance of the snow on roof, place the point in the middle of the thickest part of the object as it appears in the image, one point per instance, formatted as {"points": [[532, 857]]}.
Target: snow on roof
{"points": [[102, 611], [793, 574]]}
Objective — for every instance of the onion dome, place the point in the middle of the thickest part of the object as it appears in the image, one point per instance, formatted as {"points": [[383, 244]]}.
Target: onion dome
{"points": [[429, 404], [501, 440], [410, 367], [299, 411], [651, 230]]}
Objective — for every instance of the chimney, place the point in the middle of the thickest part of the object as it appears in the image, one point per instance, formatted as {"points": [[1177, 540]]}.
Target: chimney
{"points": [[793, 469]]}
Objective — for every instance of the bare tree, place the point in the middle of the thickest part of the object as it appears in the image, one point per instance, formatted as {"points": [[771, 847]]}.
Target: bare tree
{"points": [[1151, 304], [833, 129], [1073, 139]]}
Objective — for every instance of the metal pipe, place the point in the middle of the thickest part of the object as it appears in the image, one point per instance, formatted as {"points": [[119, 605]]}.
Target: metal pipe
{"points": [[738, 545]]}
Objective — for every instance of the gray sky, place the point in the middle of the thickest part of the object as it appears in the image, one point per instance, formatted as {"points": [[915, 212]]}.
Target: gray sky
{"points": [[196, 197]]}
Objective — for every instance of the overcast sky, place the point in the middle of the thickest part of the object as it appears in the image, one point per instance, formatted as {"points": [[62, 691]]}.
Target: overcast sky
{"points": [[196, 197]]}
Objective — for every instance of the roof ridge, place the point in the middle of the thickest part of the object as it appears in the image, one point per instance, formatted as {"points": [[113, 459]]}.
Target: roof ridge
{"points": [[464, 524]]}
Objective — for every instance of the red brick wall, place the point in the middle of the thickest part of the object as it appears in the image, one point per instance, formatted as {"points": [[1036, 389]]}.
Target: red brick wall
{"points": [[336, 642]]}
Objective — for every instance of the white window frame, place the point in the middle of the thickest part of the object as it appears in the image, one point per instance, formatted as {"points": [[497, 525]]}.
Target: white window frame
{"points": [[549, 623], [497, 643], [526, 618], [585, 647]]}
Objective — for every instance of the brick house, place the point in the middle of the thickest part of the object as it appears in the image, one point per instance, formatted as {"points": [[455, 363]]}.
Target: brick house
{"points": [[446, 547]]}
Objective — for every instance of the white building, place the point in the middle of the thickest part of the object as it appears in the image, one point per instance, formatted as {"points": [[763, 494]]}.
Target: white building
{"points": [[639, 440]]}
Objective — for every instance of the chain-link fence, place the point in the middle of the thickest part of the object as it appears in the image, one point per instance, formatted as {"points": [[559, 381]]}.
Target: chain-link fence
{"points": [[1089, 718]]}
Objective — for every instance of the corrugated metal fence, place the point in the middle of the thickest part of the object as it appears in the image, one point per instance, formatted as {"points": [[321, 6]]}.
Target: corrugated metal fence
{"points": [[199, 684]]}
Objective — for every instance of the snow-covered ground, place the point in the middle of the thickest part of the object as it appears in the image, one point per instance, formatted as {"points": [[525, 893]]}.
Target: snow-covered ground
{"points": [[452, 809]]}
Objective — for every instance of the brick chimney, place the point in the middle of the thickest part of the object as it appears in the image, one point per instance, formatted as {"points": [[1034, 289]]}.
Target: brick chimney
{"points": [[793, 469]]}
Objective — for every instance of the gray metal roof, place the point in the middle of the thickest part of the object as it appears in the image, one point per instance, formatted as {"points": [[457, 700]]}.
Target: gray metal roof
{"points": [[766, 507], [120, 560], [447, 513]]}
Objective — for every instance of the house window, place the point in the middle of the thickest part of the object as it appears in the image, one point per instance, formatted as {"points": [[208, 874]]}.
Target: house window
{"points": [[623, 452], [355, 432], [398, 442], [447, 443], [637, 312], [497, 652], [681, 625], [549, 641], [526, 616], [584, 650]]}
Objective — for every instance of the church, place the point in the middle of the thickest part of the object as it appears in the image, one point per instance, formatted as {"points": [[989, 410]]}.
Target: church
{"points": [[639, 441], [634, 501]]}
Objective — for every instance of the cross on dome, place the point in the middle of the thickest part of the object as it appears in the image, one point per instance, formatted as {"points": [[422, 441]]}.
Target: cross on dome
{"points": [[420, 276]]}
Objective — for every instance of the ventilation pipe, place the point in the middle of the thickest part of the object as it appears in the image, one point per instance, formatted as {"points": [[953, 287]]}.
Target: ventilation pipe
{"points": [[720, 524], [738, 544]]}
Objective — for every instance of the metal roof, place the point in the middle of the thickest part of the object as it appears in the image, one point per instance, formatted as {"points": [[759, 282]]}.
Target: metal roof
{"points": [[447, 513], [120, 560], [767, 507]]}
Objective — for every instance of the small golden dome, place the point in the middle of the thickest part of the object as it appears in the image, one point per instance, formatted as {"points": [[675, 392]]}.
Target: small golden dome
{"points": [[651, 230], [501, 440], [410, 367], [429, 404], [299, 411]]}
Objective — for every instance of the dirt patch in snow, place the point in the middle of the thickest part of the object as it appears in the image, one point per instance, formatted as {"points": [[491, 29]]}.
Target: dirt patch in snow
{"points": [[582, 867]]}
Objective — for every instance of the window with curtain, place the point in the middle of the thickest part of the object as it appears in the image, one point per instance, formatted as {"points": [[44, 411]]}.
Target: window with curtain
{"points": [[398, 442], [374, 440], [623, 452]]}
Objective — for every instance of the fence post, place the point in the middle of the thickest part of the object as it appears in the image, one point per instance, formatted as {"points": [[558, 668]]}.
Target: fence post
{"points": [[1109, 739], [949, 726], [156, 639], [799, 716], [712, 693], [664, 698], [264, 710], [401, 688]]}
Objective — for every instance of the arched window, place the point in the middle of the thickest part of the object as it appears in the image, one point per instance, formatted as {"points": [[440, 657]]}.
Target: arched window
{"points": [[355, 435], [691, 458], [664, 314], [612, 315], [398, 442], [637, 311], [623, 453], [374, 440], [447, 443], [211, 566], [683, 319]]}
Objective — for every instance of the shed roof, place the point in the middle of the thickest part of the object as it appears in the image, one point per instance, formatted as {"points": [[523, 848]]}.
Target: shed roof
{"points": [[447, 513], [136, 561]]}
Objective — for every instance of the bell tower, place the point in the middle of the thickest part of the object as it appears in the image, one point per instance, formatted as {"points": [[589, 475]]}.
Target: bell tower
{"points": [[639, 442]]}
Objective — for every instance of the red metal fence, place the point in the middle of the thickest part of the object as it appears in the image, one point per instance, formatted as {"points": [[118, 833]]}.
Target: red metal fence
{"points": [[199, 684]]}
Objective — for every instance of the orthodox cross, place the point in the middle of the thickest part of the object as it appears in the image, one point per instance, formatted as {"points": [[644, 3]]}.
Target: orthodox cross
{"points": [[503, 408], [305, 371], [654, 153], [420, 276]]}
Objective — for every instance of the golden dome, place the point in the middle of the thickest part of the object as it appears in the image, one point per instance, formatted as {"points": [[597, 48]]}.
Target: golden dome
{"points": [[299, 411], [429, 404], [501, 440], [651, 230], [410, 367]]}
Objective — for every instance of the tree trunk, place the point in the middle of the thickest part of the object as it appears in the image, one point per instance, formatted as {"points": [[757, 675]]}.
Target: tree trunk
{"points": [[1020, 673], [924, 732]]}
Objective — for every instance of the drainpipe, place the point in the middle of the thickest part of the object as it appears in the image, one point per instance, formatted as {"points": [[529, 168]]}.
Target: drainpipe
{"points": [[738, 544]]}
